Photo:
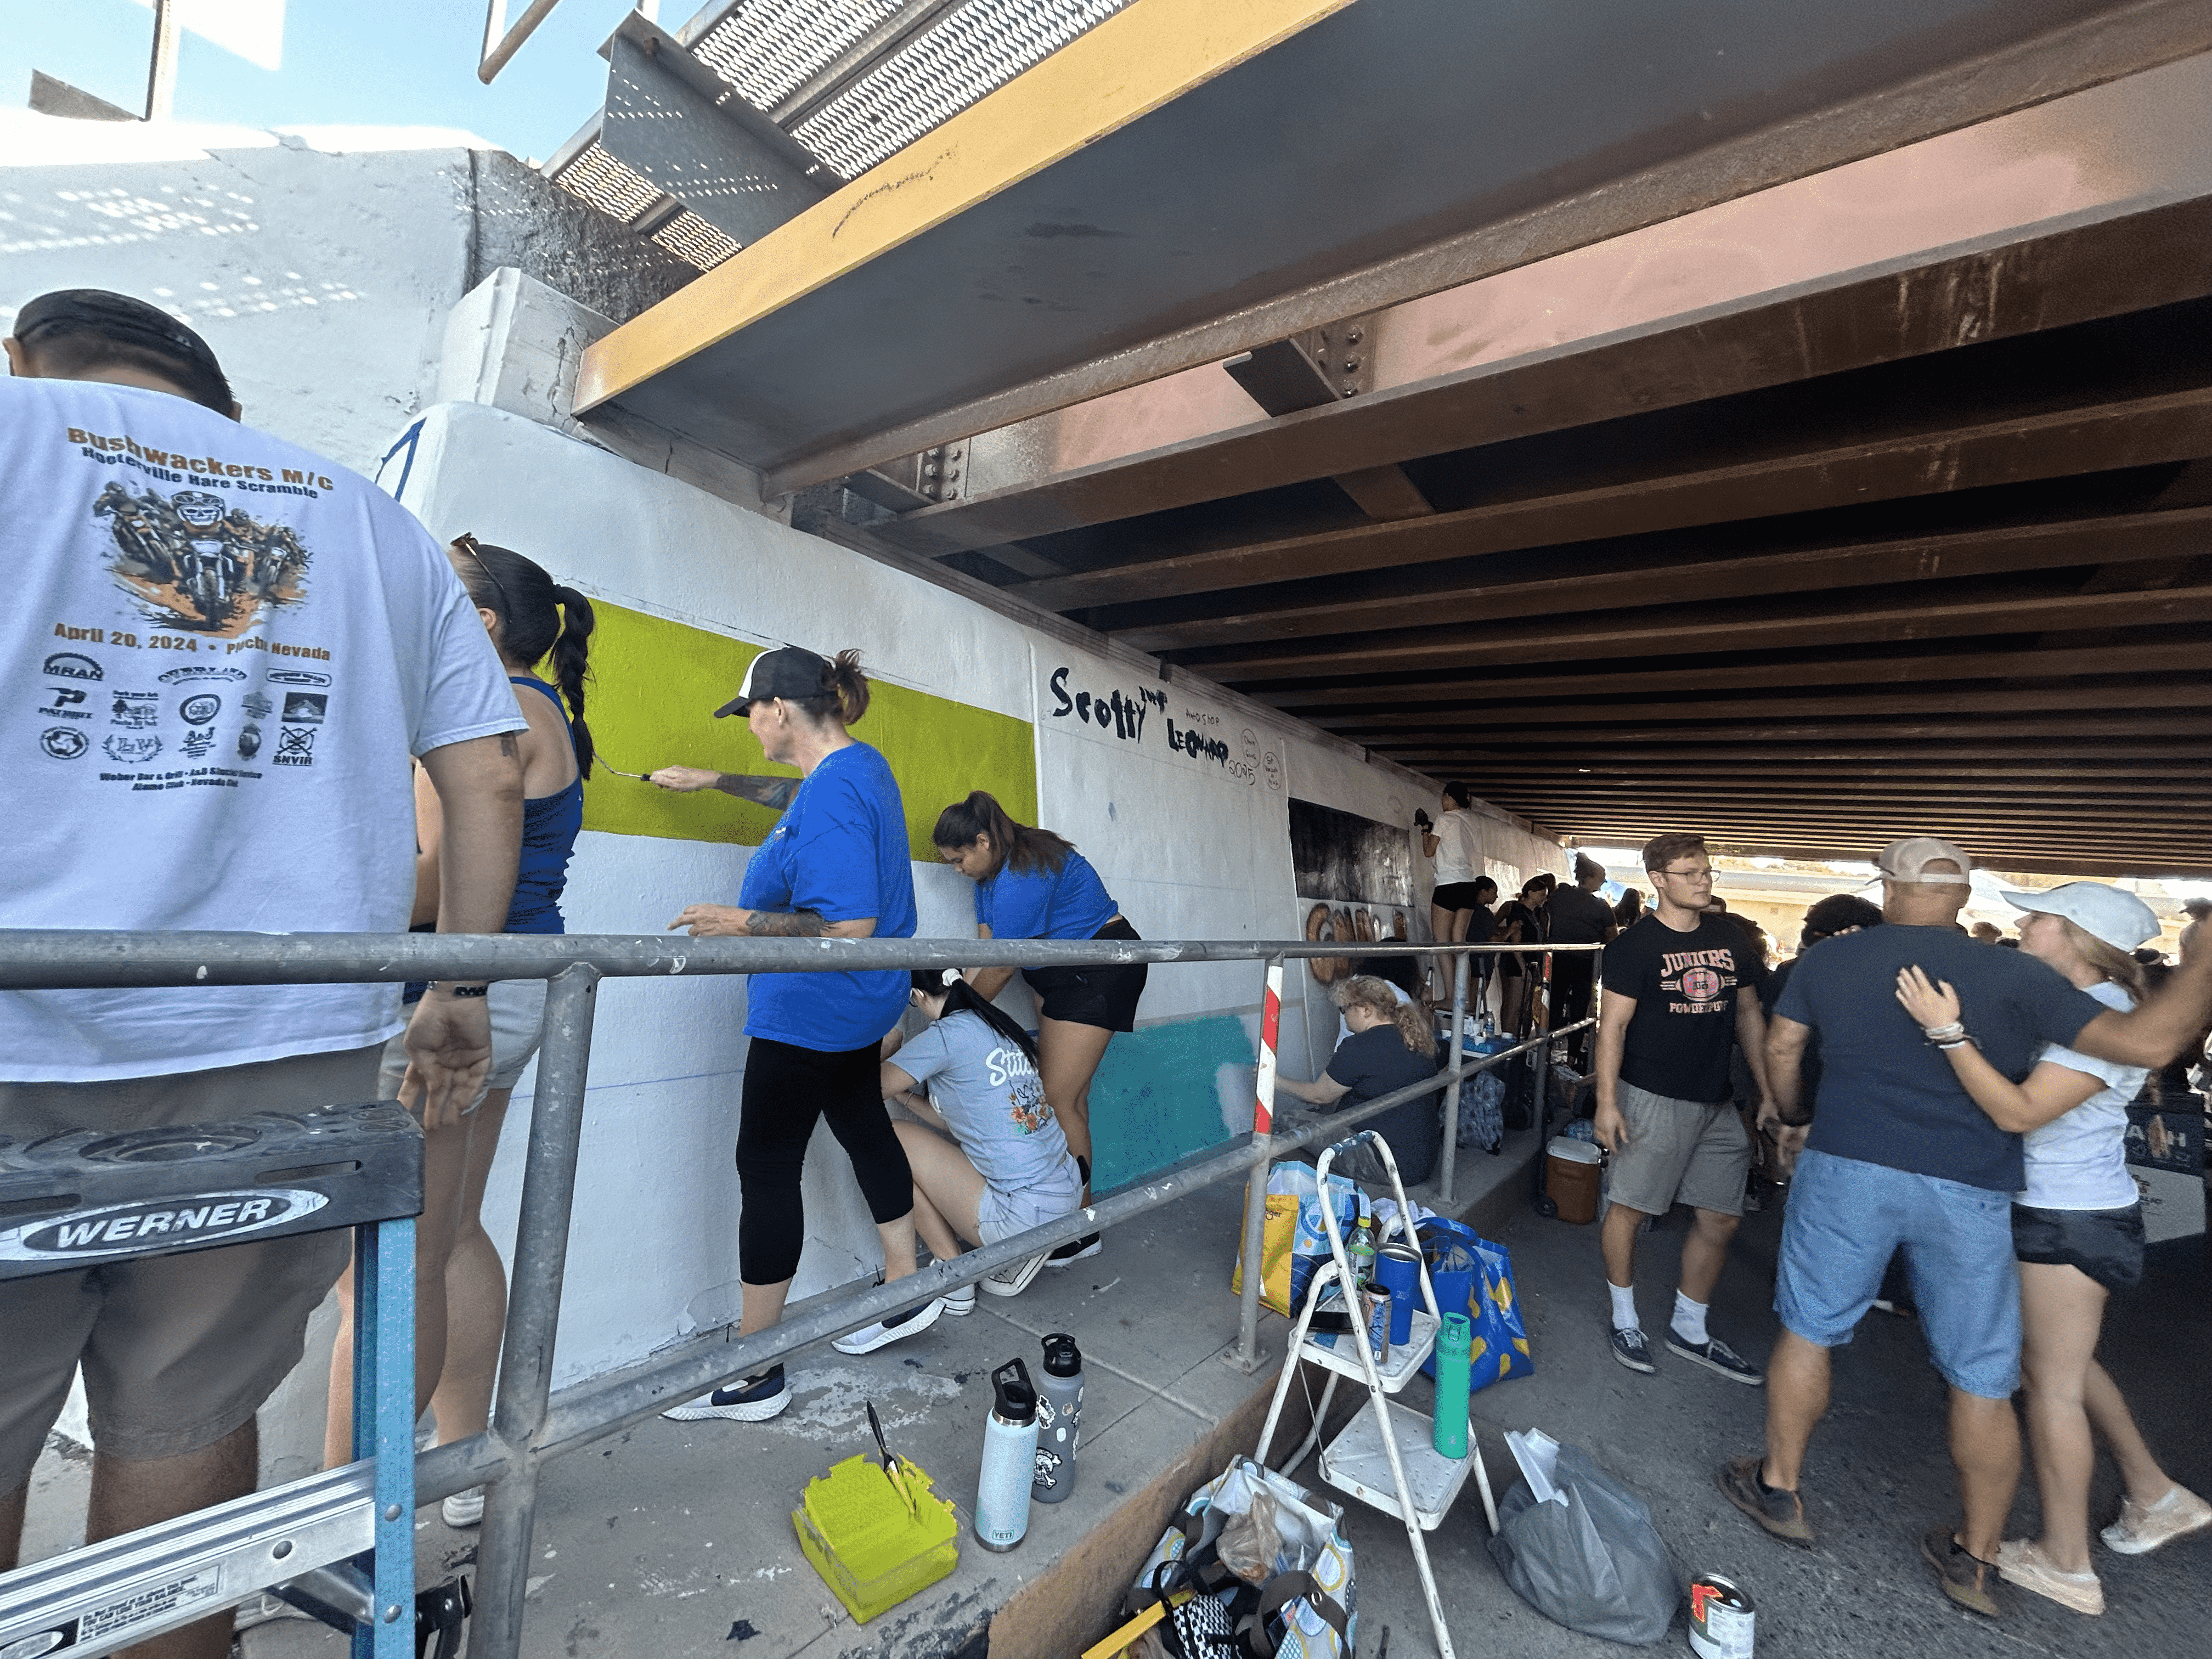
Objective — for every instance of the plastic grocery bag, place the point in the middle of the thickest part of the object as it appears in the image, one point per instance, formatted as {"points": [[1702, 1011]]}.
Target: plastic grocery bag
{"points": [[1301, 1606], [1590, 1557]]}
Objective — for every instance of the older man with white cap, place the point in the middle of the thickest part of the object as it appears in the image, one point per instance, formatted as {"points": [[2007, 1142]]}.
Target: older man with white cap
{"points": [[1901, 1158]]}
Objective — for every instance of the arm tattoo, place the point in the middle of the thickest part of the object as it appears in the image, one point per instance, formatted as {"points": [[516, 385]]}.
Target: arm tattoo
{"points": [[725, 783], [506, 746], [786, 924]]}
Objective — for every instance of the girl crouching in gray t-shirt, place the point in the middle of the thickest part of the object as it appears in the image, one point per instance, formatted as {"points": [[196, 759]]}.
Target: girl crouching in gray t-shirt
{"points": [[1006, 1168]]}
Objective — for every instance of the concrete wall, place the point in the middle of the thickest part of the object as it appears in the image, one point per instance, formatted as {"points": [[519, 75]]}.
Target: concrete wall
{"points": [[1177, 792]]}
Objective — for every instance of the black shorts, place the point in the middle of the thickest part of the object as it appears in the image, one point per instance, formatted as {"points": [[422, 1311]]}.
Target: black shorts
{"points": [[1454, 896], [2105, 1244], [1104, 994]]}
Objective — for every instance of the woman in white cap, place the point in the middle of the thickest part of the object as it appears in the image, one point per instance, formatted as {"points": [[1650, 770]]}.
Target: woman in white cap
{"points": [[836, 865], [2078, 1234]]}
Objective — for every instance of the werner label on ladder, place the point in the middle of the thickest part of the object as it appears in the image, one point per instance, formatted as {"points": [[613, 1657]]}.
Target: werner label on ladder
{"points": [[86, 1198]]}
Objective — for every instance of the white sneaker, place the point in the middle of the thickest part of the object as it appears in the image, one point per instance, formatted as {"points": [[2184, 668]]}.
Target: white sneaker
{"points": [[463, 1508], [1012, 1281], [896, 1329], [2141, 1528], [959, 1303], [755, 1400]]}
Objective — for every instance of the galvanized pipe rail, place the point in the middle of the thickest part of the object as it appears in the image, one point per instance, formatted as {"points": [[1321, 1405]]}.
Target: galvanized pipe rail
{"points": [[531, 1423]]}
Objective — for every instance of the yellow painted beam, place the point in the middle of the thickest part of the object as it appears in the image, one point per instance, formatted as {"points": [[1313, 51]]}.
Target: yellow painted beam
{"points": [[1151, 52]]}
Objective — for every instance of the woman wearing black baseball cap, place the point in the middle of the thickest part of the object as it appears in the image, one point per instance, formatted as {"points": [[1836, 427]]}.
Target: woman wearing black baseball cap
{"points": [[837, 866]]}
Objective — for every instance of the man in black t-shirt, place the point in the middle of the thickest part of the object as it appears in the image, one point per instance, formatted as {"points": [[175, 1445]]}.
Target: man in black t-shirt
{"points": [[1578, 916], [1664, 1103]]}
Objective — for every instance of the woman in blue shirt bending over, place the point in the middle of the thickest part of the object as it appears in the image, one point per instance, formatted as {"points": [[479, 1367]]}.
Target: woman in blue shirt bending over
{"points": [[836, 867], [1031, 884]]}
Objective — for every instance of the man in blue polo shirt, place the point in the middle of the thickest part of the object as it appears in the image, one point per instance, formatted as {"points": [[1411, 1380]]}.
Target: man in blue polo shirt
{"points": [[1900, 1158]]}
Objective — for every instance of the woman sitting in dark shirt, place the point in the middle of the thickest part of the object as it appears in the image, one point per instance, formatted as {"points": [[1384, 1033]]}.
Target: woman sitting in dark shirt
{"points": [[1391, 1046]]}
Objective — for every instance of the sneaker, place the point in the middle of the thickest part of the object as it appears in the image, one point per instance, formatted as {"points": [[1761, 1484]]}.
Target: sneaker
{"points": [[1965, 1578], [1012, 1281], [2022, 1561], [1780, 1514], [1068, 1255], [463, 1508], [1716, 1356], [755, 1400], [2142, 1528], [1633, 1350], [896, 1329], [959, 1303]]}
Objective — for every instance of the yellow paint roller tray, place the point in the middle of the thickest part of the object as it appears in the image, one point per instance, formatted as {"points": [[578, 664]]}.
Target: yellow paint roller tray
{"points": [[869, 1546]]}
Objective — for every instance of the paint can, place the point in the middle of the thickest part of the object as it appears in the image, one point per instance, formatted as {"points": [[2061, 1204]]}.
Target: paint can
{"points": [[1719, 1618]]}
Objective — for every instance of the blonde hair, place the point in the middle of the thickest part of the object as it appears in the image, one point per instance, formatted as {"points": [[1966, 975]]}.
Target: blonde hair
{"points": [[1376, 995], [2114, 963]]}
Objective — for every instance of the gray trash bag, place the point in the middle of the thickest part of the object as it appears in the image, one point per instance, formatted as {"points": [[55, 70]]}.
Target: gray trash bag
{"points": [[1595, 1564]]}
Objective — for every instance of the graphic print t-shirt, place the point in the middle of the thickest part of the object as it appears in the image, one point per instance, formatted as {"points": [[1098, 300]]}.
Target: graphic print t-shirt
{"points": [[989, 1093], [225, 648], [1684, 986]]}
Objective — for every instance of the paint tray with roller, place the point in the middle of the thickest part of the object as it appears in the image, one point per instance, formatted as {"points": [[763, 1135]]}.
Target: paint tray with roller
{"points": [[875, 1531]]}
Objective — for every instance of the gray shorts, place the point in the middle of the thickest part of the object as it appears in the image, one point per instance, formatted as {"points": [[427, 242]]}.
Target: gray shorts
{"points": [[517, 1007], [1002, 1214], [1686, 1152], [178, 1351]]}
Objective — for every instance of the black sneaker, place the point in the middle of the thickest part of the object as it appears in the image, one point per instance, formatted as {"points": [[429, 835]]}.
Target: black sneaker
{"points": [[753, 1401], [1779, 1514], [1633, 1350], [1069, 1254], [1716, 1356]]}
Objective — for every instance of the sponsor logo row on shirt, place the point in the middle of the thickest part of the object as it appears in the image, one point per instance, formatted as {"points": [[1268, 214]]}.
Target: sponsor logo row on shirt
{"points": [[199, 712]]}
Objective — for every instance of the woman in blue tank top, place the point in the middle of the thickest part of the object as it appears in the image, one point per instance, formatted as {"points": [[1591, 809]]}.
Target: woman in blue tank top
{"points": [[460, 1305], [1032, 884]]}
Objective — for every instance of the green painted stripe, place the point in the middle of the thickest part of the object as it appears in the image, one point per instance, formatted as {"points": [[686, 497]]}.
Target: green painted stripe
{"points": [[655, 685]]}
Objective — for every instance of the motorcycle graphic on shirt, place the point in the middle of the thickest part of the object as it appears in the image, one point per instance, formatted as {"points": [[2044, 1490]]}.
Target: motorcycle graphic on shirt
{"points": [[196, 564]]}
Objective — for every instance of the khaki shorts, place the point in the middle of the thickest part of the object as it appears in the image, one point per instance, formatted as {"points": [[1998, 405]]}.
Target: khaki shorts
{"points": [[517, 1007], [1684, 1151], [178, 1351]]}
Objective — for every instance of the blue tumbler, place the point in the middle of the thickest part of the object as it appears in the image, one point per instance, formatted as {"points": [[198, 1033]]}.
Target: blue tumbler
{"points": [[1398, 1270]]}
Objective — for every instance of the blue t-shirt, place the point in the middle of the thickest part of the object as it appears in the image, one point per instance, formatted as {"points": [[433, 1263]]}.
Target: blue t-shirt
{"points": [[1069, 903], [1886, 1096], [839, 850]]}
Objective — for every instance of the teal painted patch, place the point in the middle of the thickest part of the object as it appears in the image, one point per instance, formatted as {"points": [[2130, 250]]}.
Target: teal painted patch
{"points": [[1154, 1098]]}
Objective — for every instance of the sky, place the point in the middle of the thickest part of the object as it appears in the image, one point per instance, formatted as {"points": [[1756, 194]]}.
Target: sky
{"points": [[376, 62]]}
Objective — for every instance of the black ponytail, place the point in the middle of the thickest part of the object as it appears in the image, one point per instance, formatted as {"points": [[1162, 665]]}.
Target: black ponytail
{"points": [[960, 998], [1021, 847], [538, 618]]}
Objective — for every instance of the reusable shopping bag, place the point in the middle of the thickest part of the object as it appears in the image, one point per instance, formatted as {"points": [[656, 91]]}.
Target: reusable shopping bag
{"points": [[1589, 1557], [1473, 1276], [1294, 1241], [1302, 1605]]}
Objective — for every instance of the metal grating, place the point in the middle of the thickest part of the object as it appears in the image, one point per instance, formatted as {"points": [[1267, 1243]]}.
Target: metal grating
{"points": [[971, 54], [690, 237], [596, 177], [768, 49]]}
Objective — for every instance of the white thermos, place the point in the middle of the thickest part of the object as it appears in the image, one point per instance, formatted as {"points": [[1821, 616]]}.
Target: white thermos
{"points": [[1010, 1444]]}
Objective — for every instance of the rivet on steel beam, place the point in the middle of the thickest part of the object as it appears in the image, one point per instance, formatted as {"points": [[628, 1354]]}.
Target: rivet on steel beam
{"points": [[1350, 364], [1351, 339]]}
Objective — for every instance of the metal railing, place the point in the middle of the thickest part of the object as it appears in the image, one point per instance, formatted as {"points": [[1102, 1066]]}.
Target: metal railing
{"points": [[531, 1422]]}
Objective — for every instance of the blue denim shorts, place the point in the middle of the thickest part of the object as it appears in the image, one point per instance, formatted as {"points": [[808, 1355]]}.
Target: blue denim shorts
{"points": [[1847, 1218]]}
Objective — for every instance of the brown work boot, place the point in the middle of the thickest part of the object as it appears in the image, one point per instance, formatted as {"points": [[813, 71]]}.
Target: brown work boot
{"points": [[1965, 1578], [1780, 1514]]}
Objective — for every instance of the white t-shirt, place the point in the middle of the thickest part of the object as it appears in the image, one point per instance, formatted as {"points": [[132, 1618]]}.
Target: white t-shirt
{"points": [[225, 650], [2079, 1162], [1459, 847], [988, 1093]]}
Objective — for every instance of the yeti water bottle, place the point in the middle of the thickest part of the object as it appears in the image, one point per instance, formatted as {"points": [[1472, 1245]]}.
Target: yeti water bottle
{"points": [[1059, 1419], [1010, 1443]]}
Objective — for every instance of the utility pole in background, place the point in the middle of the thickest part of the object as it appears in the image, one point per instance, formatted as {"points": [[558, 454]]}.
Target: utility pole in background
{"points": [[161, 72]]}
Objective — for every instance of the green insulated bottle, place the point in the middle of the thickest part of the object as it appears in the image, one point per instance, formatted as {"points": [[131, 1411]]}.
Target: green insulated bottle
{"points": [[1453, 1344]]}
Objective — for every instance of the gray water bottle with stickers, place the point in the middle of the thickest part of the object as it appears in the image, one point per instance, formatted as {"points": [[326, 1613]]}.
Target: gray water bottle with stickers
{"points": [[1059, 1419]]}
